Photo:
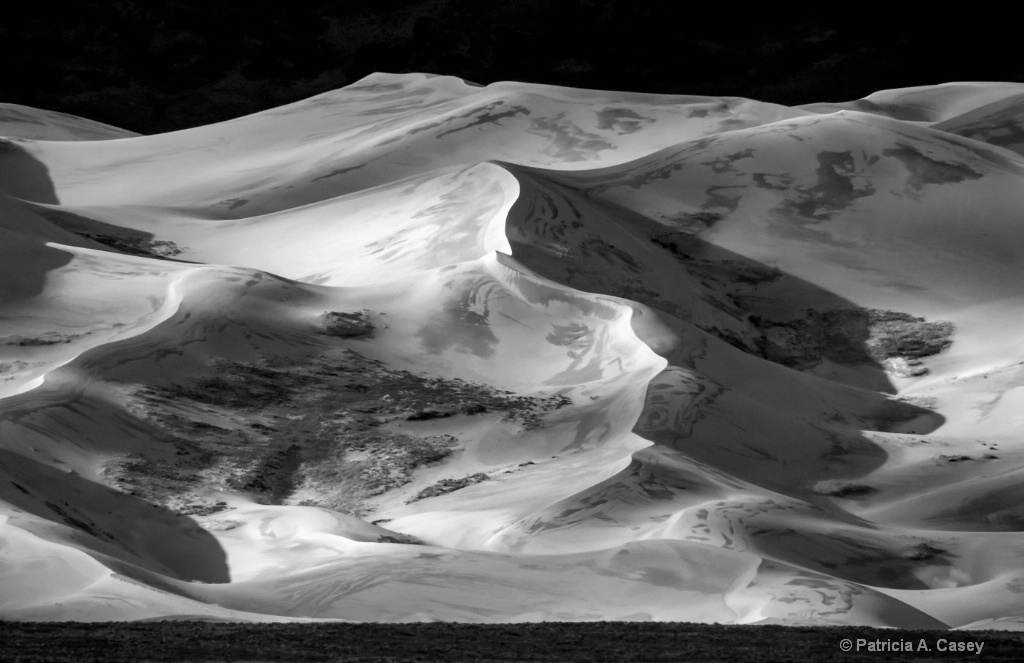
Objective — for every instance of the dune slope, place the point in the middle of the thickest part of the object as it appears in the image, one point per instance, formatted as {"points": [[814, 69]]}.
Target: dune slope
{"points": [[421, 350]]}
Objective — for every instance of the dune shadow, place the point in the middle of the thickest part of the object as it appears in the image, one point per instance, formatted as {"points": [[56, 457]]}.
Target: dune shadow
{"points": [[126, 533], [129, 241], [765, 334], [602, 248], [24, 260], [24, 265], [23, 176]]}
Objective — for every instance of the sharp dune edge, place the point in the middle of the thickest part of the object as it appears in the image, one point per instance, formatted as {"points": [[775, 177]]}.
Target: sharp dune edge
{"points": [[422, 350]]}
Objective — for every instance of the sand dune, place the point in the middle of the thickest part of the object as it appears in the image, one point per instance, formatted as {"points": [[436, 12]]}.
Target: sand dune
{"points": [[27, 122], [421, 350]]}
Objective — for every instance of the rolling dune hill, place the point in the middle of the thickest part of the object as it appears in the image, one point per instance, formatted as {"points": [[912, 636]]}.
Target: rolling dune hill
{"points": [[417, 349]]}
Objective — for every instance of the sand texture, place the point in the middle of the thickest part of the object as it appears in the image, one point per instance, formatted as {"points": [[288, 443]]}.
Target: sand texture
{"points": [[421, 350]]}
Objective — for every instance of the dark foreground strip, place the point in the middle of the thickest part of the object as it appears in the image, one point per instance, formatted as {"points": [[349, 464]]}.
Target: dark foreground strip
{"points": [[550, 641]]}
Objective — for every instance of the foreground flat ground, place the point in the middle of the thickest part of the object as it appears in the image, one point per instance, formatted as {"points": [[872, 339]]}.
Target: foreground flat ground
{"points": [[592, 641]]}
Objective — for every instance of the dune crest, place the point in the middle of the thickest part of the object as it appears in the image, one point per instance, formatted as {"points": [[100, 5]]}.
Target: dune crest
{"points": [[421, 350]]}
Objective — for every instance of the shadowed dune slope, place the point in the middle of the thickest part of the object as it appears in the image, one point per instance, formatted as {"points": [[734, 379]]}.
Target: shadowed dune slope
{"points": [[421, 350]]}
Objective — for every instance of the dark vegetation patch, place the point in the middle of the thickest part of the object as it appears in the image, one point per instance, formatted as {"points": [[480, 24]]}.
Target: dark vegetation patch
{"points": [[893, 339], [347, 324], [157, 248], [358, 467], [125, 240], [445, 486], [167, 476], [424, 415], [835, 488], [925, 551], [273, 478], [239, 386], [853, 336], [895, 334], [397, 537], [49, 338], [546, 641], [203, 509], [960, 458], [313, 431]]}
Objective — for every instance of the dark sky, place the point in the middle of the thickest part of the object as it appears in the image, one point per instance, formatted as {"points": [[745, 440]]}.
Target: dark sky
{"points": [[158, 66]]}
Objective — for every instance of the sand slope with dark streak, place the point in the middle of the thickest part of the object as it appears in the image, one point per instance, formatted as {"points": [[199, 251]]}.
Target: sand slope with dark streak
{"points": [[420, 350]]}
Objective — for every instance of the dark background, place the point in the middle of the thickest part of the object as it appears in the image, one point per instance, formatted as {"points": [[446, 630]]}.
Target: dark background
{"points": [[157, 66]]}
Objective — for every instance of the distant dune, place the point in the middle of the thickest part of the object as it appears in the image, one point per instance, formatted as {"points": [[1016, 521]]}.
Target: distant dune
{"points": [[420, 350]]}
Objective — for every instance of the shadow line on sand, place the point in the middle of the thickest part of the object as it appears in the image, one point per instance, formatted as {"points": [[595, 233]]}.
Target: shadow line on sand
{"points": [[707, 296], [23, 176], [111, 526]]}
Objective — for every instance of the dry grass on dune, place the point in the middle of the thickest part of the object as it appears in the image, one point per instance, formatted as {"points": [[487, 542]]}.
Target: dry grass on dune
{"points": [[315, 433]]}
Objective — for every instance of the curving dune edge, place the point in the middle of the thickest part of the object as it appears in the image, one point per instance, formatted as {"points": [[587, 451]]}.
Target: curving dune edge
{"points": [[419, 350]]}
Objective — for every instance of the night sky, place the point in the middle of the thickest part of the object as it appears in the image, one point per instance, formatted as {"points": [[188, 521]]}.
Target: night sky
{"points": [[153, 67]]}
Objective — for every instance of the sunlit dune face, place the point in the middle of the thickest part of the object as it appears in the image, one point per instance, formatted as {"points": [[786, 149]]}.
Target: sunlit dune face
{"points": [[422, 350]]}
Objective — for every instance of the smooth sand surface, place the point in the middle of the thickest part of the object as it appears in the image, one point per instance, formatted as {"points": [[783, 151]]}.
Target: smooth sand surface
{"points": [[661, 269]]}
